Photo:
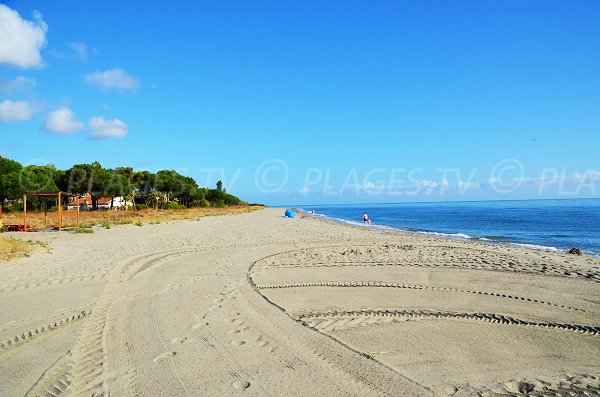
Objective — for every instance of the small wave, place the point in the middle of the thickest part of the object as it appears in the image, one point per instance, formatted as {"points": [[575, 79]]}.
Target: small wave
{"points": [[450, 235], [535, 246]]}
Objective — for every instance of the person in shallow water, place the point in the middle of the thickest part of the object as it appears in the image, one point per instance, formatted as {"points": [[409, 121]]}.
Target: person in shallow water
{"points": [[366, 219]]}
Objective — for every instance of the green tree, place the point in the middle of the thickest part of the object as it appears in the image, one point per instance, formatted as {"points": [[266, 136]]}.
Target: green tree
{"points": [[9, 179], [144, 181], [99, 182], [115, 184], [155, 199]]}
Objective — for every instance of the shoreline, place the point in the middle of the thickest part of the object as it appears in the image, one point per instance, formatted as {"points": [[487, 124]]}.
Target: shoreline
{"points": [[432, 233]]}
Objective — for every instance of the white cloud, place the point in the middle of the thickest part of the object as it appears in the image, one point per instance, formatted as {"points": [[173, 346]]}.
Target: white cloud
{"points": [[464, 186], [19, 84], [113, 78], [62, 121], [102, 128], [76, 52], [21, 40], [427, 186], [588, 176], [15, 110], [445, 185], [371, 187]]}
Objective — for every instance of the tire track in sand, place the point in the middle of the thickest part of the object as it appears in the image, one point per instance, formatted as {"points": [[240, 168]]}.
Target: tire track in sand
{"points": [[380, 379], [330, 320], [382, 284], [88, 355], [33, 333]]}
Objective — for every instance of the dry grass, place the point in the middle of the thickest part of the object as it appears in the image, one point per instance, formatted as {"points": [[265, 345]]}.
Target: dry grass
{"points": [[104, 218], [11, 248]]}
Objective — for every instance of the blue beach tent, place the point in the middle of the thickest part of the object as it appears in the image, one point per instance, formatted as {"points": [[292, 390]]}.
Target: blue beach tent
{"points": [[290, 214]]}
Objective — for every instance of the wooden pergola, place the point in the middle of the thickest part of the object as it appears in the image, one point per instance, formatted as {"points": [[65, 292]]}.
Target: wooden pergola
{"points": [[59, 196]]}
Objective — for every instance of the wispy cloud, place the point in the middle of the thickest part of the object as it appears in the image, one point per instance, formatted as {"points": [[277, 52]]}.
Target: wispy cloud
{"points": [[62, 121], [18, 85], [76, 52], [102, 128], [21, 40], [115, 78], [15, 110], [81, 50]]}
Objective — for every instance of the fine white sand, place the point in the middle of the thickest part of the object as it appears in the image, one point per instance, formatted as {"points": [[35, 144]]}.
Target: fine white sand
{"points": [[256, 304]]}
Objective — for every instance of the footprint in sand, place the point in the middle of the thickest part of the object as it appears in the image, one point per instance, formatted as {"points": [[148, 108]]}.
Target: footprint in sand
{"points": [[199, 325], [178, 340], [241, 384], [164, 357], [237, 342]]}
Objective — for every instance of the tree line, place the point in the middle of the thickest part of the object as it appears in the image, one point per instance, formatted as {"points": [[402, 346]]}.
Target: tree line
{"points": [[154, 189]]}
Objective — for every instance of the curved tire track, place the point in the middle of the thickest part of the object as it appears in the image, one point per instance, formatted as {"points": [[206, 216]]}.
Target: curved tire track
{"points": [[381, 284], [313, 258], [309, 318]]}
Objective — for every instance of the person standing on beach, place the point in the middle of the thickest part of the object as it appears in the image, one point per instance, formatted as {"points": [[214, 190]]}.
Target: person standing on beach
{"points": [[313, 213], [366, 219]]}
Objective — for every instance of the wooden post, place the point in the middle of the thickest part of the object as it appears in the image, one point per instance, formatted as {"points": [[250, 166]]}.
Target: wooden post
{"points": [[77, 204], [24, 212], [59, 211], [46, 213], [1, 224]]}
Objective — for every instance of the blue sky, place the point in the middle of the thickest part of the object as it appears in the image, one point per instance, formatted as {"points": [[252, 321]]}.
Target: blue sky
{"points": [[314, 102]]}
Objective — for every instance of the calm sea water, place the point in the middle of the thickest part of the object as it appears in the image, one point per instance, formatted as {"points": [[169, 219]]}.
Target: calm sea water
{"points": [[544, 224]]}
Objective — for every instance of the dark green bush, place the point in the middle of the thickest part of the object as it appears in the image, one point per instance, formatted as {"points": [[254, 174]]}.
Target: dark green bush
{"points": [[217, 203], [199, 203], [175, 206], [12, 207]]}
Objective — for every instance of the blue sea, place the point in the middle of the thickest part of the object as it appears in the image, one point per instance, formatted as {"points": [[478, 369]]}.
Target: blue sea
{"points": [[555, 225]]}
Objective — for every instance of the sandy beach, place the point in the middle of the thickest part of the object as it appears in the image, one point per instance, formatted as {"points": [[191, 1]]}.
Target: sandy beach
{"points": [[256, 304]]}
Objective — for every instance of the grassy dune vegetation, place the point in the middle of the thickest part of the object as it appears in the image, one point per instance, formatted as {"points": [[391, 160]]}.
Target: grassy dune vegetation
{"points": [[108, 218], [11, 248]]}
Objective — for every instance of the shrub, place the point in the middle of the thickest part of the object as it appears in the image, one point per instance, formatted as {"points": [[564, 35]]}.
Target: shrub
{"points": [[139, 223], [106, 224], [141, 207], [84, 230], [218, 203], [175, 206], [199, 203], [13, 207]]}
